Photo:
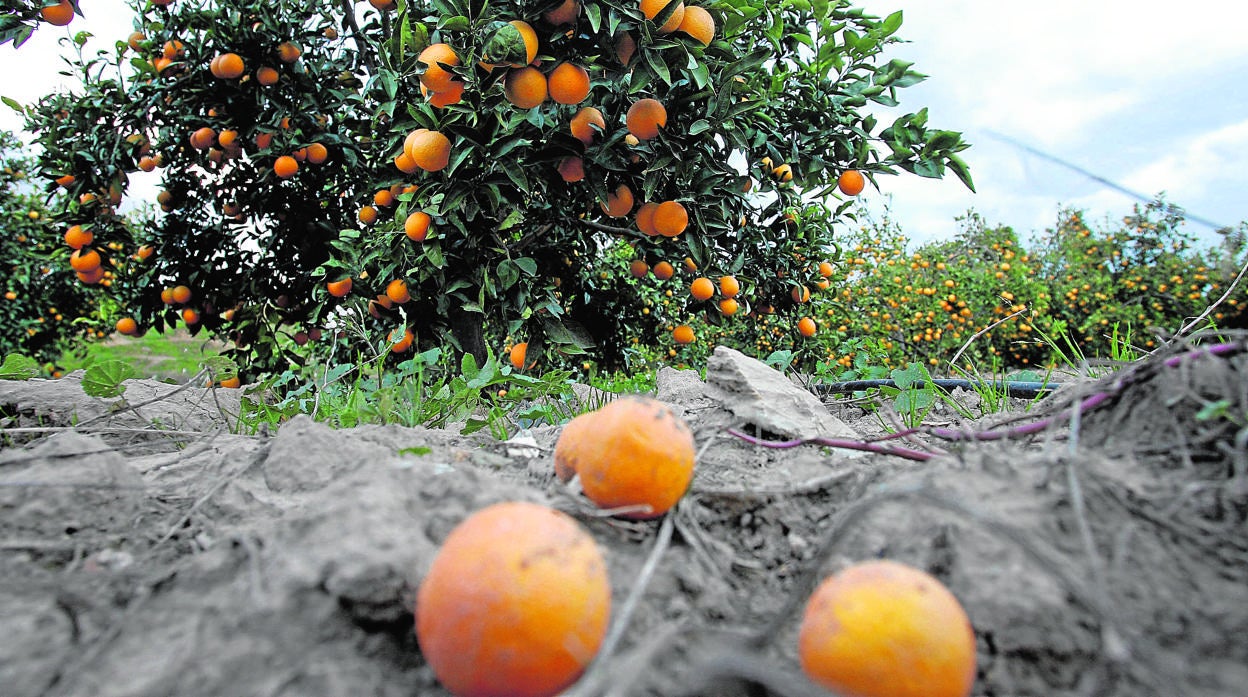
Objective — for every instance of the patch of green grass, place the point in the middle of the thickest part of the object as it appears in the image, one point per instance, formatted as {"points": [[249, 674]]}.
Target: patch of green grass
{"points": [[172, 357]]}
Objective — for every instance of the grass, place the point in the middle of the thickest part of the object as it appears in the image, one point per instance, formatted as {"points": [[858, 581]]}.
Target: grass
{"points": [[171, 357]]}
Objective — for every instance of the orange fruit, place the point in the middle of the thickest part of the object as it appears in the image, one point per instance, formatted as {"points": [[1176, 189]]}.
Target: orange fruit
{"points": [[203, 138], [172, 49], [517, 355], [625, 48], [683, 334], [645, 218], [698, 23], [851, 182], [383, 198], [77, 238], [663, 271], [127, 326], [339, 288], [825, 269], [91, 277], [807, 327], [526, 87], [166, 296], [645, 118], [573, 446], [572, 169], [702, 288], [690, 264], [317, 153], [147, 163], [619, 203], [800, 294], [227, 138], [638, 268], [783, 173], [263, 140], [368, 215], [135, 39], [652, 8], [670, 219], [638, 453], [568, 83], [729, 286], [396, 290], [180, 295], [289, 52], [516, 602], [406, 164], [883, 628], [416, 227], [564, 14], [436, 77], [145, 252], [85, 260], [66, 181], [231, 383], [451, 95], [229, 66], [430, 150], [401, 343], [59, 14], [191, 317], [728, 307], [530, 42], [267, 76], [583, 122], [285, 166]]}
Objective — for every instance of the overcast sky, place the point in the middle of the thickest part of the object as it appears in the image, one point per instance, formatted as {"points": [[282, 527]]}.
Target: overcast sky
{"points": [[1145, 94]]}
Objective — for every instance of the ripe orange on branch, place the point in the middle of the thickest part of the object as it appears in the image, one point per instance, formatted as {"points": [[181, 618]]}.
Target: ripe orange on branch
{"points": [[59, 14], [285, 166], [670, 219], [702, 288], [652, 9], [516, 602], [583, 122], [416, 227], [568, 83], [698, 24], [227, 66], [525, 87], [645, 118], [430, 150], [618, 203], [436, 77], [851, 182]]}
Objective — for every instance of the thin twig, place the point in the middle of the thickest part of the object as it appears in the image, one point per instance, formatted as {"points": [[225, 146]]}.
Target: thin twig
{"points": [[954, 361], [363, 43], [1208, 310]]}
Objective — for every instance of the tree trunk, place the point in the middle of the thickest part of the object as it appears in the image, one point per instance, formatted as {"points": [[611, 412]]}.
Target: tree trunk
{"points": [[468, 328]]}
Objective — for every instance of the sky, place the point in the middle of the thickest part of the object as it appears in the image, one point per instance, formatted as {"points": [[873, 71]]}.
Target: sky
{"points": [[1144, 94]]}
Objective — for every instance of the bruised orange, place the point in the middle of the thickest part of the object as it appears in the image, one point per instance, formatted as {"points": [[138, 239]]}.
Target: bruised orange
{"points": [[638, 268], [642, 455], [516, 602], [573, 446], [572, 169], [881, 628]]}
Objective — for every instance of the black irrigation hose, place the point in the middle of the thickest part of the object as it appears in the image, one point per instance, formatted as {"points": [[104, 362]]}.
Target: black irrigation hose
{"points": [[1024, 390]]}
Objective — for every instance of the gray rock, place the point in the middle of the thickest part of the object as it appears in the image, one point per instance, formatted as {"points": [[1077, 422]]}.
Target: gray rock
{"points": [[682, 388], [764, 398]]}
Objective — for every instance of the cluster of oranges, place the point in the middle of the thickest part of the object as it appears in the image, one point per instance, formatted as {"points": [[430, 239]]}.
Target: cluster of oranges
{"points": [[488, 622]]}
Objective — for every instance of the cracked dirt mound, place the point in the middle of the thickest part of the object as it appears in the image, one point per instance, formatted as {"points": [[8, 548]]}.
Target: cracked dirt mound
{"points": [[1105, 556]]}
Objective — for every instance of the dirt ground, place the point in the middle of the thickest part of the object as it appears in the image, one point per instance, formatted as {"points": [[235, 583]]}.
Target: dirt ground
{"points": [[154, 553]]}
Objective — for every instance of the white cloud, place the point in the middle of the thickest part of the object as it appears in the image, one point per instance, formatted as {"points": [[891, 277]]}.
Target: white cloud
{"points": [[1216, 160]]}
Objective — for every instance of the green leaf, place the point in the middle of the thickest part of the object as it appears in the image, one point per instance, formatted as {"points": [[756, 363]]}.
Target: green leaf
{"points": [[13, 104], [18, 367], [892, 23], [104, 379], [699, 126], [655, 60], [912, 374], [527, 265], [221, 367]]}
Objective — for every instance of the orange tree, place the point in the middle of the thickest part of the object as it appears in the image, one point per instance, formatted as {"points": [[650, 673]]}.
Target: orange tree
{"points": [[548, 130], [244, 113], [20, 18], [465, 165], [44, 309]]}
